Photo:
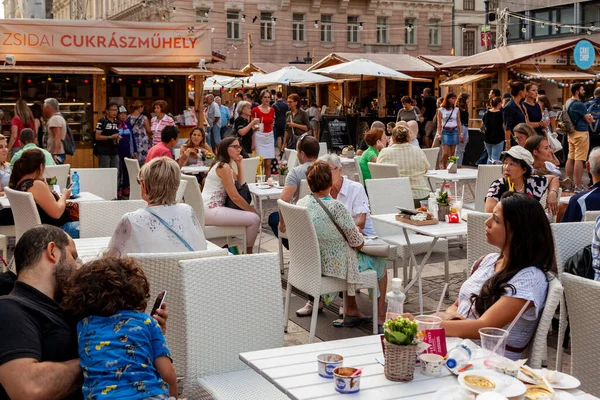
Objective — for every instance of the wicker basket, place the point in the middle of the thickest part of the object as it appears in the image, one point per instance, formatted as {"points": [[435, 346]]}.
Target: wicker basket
{"points": [[399, 362], [442, 212]]}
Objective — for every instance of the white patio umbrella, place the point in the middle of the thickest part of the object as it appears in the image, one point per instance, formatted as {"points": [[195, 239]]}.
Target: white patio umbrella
{"points": [[216, 82], [291, 76]]}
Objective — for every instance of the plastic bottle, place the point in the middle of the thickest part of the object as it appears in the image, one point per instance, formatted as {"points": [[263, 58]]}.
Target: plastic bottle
{"points": [[546, 115], [75, 188], [460, 356], [447, 190], [395, 300], [432, 206]]}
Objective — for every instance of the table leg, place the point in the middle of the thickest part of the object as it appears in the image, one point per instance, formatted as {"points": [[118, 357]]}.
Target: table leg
{"points": [[260, 211], [419, 268], [430, 185], [471, 190]]}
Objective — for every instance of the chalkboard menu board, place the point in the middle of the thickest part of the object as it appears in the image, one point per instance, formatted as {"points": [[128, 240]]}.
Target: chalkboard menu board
{"points": [[335, 132]]}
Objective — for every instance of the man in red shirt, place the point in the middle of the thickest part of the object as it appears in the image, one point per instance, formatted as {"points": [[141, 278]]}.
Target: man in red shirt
{"points": [[168, 139]]}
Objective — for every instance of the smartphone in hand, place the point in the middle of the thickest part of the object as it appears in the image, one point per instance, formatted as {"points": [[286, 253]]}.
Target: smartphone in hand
{"points": [[160, 299]]}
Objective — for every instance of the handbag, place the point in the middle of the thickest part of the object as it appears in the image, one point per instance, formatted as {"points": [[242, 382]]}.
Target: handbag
{"points": [[371, 246], [244, 191], [162, 221], [554, 143]]}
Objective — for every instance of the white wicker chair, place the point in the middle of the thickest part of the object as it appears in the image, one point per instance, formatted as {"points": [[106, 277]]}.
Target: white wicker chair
{"points": [[99, 181], [361, 179], [432, 155], [538, 349], [100, 218], [591, 215], [304, 189], [24, 211], [569, 238], [384, 196], [250, 166], [61, 172], [477, 244], [181, 190], [292, 158], [163, 273], [133, 169], [583, 306], [486, 174], [213, 341], [322, 148], [305, 265], [382, 171], [544, 200]]}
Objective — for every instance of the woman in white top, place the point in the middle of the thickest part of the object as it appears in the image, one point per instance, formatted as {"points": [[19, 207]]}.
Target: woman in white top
{"points": [[449, 128], [501, 283], [164, 226], [220, 183]]}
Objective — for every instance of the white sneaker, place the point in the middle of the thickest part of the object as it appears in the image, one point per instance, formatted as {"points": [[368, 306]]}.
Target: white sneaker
{"points": [[307, 310]]}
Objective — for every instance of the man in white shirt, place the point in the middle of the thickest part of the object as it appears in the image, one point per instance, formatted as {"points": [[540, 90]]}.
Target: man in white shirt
{"points": [[57, 130], [213, 113]]}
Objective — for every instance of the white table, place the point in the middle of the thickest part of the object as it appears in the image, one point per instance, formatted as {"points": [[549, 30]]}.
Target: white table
{"points": [[345, 160], [194, 169], [83, 196], [462, 174], [293, 370], [89, 249], [441, 230], [260, 193]]}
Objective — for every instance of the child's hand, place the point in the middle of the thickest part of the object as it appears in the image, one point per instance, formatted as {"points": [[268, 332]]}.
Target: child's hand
{"points": [[161, 316]]}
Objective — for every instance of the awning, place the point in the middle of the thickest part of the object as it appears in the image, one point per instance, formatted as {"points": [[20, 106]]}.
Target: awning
{"points": [[46, 69], [159, 71], [557, 74], [465, 79]]}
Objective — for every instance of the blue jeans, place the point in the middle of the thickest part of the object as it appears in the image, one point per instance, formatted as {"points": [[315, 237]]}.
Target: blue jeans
{"points": [[72, 229], [274, 224], [214, 136], [494, 151], [460, 148]]}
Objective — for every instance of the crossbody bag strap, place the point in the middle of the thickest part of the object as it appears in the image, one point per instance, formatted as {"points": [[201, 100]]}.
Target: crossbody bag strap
{"points": [[447, 119], [162, 221], [331, 217]]}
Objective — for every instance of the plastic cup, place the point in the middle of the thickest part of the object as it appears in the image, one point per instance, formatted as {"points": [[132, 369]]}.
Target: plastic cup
{"points": [[457, 205], [260, 179], [490, 337], [431, 364], [426, 322], [424, 203]]}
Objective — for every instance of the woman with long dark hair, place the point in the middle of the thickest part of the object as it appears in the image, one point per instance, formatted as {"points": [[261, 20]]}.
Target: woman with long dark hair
{"points": [[463, 106], [449, 127], [28, 176], [221, 182], [501, 283]]}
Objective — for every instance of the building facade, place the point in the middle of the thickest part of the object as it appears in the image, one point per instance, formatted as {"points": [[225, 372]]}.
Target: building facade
{"points": [[27, 8], [470, 33], [283, 31]]}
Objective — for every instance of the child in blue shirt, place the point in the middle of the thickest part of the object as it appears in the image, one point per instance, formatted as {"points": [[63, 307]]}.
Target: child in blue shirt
{"points": [[123, 353]]}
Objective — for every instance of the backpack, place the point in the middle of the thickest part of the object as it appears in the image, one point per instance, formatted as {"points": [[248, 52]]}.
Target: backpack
{"points": [[580, 263], [593, 108], [565, 125], [68, 142]]}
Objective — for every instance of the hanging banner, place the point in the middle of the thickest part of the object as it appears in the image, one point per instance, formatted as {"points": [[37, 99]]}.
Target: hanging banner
{"points": [[89, 41]]}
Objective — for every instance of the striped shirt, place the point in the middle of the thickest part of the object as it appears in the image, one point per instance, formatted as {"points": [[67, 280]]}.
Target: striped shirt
{"points": [[596, 250], [411, 162], [530, 284]]}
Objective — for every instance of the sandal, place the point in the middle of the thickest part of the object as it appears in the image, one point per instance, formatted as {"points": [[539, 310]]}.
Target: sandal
{"points": [[354, 321]]}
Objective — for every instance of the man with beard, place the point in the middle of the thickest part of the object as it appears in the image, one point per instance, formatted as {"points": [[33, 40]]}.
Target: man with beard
{"points": [[38, 350]]}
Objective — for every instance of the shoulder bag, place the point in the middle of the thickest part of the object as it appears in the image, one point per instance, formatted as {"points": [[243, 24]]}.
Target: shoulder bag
{"points": [[244, 191], [375, 247], [162, 221]]}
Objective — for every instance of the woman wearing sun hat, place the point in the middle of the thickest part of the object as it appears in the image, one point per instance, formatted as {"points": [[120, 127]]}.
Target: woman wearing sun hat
{"points": [[518, 177]]}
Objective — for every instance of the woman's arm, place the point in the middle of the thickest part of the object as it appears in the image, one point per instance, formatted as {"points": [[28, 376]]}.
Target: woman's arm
{"points": [[36, 126], [459, 125], [490, 203], [502, 313], [554, 124], [183, 156], [13, 137], [224, 173], [552, 198], [44, 198], [206, 148], [147, 127]]}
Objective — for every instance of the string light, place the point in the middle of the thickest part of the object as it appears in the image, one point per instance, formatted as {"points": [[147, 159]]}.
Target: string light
{"points": [[557, 28], [572, 30], [243, 17], [66, 81], [254, 19], [86, 81], [316, 24], [103, 78], [28, 80], [464, 28], [542, 25], [174, 9], [524, 29], [139, 82], [212, 29], [360, 26], [49, 79]]}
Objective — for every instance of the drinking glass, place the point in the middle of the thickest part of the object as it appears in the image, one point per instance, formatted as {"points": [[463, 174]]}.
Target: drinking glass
{"points": [[260, 179], [490, 337], [457, 205], [426, 322]]}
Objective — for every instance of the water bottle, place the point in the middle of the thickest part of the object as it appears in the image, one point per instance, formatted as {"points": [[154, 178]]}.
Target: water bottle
{"points": [[432, 206], [546, 116], [395, 300], [75, 188], [447, 190], [460, 356]]}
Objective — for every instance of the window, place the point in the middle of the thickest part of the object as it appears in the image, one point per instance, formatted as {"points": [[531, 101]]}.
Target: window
{"points": [[266, 26], [410, 31], [202, 15], [382, 30], [468, 43], [298, 28], [591, 14], [353, 28], [538, 29], [434, 32], [468, 4], [233, 25], [326, 29], [493, 5], [566, 16]]}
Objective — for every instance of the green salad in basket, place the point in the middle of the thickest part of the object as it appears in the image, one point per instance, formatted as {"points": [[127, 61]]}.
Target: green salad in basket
{"points": [[400, 331]]}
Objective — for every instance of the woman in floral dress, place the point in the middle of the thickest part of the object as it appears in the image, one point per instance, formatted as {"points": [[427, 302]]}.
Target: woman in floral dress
{"points": [[141, 130]]}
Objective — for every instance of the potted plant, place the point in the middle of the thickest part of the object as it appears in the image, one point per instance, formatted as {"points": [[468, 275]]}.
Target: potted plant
{"points": [[350, 152], [283, 171], [51, 181], [452, 165], [443, 201], [400, 349]]}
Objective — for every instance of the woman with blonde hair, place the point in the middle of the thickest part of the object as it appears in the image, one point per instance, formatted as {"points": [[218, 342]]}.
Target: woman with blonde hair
{"points": [[165, 226], [23, 119], [141, 130]]}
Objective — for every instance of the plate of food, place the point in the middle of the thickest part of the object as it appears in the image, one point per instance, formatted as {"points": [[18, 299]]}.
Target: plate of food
{"points": [[482, 381], [557, 380], [455, 392]]}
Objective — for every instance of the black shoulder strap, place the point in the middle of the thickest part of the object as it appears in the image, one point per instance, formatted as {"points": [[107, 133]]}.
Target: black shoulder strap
{"points": [[330, 217]]}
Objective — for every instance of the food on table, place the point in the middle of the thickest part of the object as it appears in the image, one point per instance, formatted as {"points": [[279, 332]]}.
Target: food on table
{"points": [[479, 382], [531, 375], [551, 376], [422, 209], [538, 392]]}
